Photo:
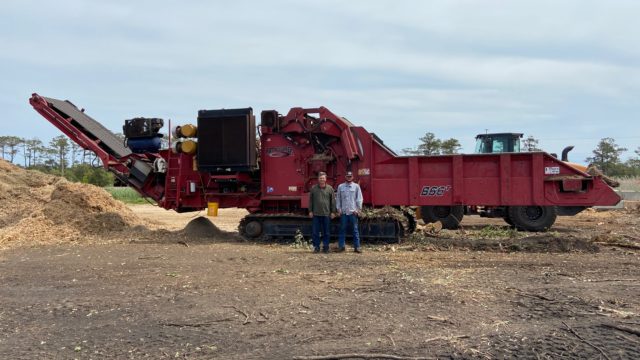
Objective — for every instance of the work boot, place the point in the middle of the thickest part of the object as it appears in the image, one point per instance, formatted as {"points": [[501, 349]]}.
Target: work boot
{"points": [[340, 249], [325, 250], [316, 250], [357, 250]]}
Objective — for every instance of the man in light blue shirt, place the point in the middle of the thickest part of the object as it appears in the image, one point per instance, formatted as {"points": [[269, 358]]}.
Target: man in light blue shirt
{"points": [[349, 204]]}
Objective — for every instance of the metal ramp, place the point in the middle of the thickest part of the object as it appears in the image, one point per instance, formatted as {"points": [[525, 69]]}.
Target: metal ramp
{"points": [[90, 127], [93, 136]]}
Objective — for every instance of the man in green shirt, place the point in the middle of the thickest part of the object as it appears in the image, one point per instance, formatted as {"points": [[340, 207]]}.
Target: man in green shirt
{"points": [[322, 207]]}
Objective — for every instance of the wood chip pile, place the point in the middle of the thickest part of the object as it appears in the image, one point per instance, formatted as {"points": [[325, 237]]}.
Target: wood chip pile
{"points": [[36, 208]]}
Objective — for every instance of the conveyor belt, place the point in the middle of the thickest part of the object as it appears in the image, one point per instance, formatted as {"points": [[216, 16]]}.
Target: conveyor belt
{"points": [[108, 141]]}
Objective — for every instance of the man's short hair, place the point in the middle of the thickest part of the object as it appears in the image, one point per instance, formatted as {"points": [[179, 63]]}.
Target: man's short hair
{"points": [[322, 173]]}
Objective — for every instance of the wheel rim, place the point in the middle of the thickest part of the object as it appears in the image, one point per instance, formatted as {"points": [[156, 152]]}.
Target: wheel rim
{"points": [[253, 228], [441, 211], [533, 212]]}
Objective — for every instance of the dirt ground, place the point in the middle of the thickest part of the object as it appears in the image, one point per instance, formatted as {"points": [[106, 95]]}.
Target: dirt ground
{"points": [[479, 292]]}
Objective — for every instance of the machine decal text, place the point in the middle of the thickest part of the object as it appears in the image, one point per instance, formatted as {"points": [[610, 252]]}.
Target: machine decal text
{"points": [[552, 170], [436, 190], [280, 151]]}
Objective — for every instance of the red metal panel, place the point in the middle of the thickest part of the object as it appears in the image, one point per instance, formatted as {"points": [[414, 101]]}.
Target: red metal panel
{"points": [[413, 181], [481, 191], [537, 179], [349, 144], [458, 174], [281, 174], [505, 179], [573, 185], [521, 190], [390, 191], [490, 180]]}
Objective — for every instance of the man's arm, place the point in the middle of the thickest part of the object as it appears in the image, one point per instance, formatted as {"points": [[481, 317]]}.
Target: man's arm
{"points": [[358, 198], [311, 203], [332, 202], [338, 200]]}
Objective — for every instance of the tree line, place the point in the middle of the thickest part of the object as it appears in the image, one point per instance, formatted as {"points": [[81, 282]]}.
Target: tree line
{"points": [[606, 156], [59, 156]]}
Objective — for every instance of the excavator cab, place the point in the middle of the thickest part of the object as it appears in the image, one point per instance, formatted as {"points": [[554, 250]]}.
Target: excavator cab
{"points": [[498, 143]]}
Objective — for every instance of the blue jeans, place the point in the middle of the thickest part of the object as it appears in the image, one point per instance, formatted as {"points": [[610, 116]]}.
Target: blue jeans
{"points": [[320, 224], [352, 220]]}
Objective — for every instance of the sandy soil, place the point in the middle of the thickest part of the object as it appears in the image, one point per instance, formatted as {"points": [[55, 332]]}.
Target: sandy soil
{"points": [[165, 293]]}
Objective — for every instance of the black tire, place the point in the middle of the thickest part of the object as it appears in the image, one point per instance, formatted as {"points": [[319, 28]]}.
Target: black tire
{"points": [[449, 216], [532, 218], [507, 219]]}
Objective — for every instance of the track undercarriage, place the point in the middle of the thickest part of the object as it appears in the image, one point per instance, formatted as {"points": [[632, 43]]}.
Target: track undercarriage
{"points": [[375, 225]]}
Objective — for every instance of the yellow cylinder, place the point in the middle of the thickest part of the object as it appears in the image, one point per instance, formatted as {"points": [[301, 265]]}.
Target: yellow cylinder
{"points": [[188, 130], [212, 209], [188, 147]]}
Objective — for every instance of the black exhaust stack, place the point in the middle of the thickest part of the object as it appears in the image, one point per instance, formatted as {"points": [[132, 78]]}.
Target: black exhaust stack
{"points": [[565, 153]]}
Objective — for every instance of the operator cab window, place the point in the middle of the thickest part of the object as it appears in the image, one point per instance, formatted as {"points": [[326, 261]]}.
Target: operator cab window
{"points": [[498, 146], [482, 146], [516, 145]]}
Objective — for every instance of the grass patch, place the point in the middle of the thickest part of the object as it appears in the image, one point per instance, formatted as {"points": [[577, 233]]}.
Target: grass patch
{"points": [[126, 194], [629, 183], [299, 242], [490, 232]]}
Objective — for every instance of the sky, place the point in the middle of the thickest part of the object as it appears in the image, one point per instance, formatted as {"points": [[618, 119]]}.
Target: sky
{"points": [[566, 72]]}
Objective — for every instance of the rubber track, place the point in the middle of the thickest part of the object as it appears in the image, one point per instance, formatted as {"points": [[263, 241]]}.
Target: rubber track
{"points": [[403, 227]]}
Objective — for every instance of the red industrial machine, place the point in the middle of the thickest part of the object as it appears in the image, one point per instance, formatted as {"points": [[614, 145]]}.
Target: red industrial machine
{"points": [[221, 161]]}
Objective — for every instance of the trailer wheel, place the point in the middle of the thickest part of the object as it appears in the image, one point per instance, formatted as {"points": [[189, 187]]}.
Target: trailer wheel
{"points": [[253, 229], [449, 216], [507, 219], [532, 218]]}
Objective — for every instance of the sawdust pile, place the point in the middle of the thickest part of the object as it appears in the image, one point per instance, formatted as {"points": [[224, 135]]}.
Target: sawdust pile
{"points": [[201, 227], [36, 208], [632, 207]]}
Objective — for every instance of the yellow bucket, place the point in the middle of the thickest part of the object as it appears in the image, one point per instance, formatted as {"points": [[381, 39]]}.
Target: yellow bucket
{"points": [[212, 209]]}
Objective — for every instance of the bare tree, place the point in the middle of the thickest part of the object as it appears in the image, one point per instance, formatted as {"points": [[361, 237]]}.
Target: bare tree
{"points": [[75, 149], [25, 151], [3, 144], [60, 145], [530, 144], [12, 142], [31, 150], [635, 162]]}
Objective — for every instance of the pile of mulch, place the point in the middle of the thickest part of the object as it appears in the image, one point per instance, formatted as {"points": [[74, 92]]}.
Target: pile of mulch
{"points": [[202, 230], [36, 208], [202, 227], [473, 240]]}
